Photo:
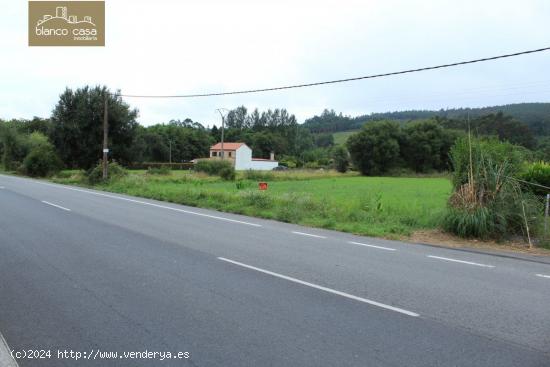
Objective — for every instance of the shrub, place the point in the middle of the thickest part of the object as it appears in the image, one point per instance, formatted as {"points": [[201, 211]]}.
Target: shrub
{"points": [[216, 167], [537, 173], [242, 184], [42, 161], [160, 170], [228, 173], [340, 157], [116, 171], [15, 148]]}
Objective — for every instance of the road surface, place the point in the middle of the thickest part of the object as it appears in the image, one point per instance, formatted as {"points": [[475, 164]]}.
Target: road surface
{"points": [[86, 274]]}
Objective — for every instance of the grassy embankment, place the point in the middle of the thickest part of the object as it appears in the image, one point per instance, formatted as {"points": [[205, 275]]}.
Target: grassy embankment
{"points": [[377, 206]]}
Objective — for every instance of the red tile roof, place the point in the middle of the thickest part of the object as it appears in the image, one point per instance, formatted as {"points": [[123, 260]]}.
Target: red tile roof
{"points": [[226, 146]]}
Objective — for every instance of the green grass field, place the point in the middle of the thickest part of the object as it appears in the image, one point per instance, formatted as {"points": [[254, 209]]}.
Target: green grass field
{"points": [[341, 136], [376, 206]]}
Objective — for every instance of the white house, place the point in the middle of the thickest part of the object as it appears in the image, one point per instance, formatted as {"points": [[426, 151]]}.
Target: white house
{"points": [[241, 156]]}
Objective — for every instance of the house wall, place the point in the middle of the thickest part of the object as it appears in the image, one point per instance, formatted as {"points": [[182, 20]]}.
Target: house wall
{"points": [[263, 165], [228, 153], [243, 158]]}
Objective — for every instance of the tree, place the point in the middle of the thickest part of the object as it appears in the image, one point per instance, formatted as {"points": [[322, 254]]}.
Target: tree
{"points": [[324, 140], [237, 118], [265, 142], [506, 128], [375, 149], [425, 146], [340, 157], [77, 130]]}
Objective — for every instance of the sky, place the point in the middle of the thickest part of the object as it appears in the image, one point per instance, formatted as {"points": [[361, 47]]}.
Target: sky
{"points": [[182, 47]]}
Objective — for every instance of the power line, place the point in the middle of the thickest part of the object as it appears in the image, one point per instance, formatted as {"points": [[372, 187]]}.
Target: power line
{"points": [[339, 80]]}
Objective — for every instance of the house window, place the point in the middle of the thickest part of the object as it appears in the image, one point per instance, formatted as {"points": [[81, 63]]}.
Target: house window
{"points": [[214, 154], [229, 154]]}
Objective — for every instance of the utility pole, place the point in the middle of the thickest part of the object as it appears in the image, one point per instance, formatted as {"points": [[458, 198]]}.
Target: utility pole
{"points": [[105, 135], [223, 126]]}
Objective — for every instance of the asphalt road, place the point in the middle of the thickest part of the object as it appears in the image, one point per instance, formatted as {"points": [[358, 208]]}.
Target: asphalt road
{"points": [[93, 273]]}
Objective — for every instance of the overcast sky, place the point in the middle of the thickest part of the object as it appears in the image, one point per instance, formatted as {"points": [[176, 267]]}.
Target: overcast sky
{"points": [[180, 47]]}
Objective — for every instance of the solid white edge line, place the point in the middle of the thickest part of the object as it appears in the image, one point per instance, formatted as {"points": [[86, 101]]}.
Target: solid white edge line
{"points": [[543, 276], [308, 234], [460, 261], [373, 246], [329, 290], [150, 204], [57, 206]]}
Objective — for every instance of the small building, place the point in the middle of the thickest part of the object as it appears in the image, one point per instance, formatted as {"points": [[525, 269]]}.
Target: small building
{"points": [[241, 157]]}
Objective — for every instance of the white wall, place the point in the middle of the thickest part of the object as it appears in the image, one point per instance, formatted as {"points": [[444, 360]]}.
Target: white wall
{"points": [[243, 158], [263, 165], [243, 161]]}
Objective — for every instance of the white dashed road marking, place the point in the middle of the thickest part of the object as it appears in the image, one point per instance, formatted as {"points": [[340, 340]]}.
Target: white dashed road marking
{"points": [[57, 206], [460, 261], [329, 290], [373, 246], [308, 234]]}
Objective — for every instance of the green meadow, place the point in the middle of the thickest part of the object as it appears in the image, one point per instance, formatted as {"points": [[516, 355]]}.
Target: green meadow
{"points": [[389, 207], [341, 137]]}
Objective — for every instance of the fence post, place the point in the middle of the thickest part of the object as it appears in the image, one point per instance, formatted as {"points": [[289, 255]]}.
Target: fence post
{"points": [[546, 214]]}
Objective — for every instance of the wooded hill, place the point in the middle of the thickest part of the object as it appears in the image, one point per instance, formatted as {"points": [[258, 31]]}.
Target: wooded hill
{"points": [[535, 115]]}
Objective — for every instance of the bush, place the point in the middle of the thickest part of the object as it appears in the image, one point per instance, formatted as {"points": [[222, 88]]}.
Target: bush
{"points": [[216, 167], [15, 148], [116, 171], [340, 157], [161, 170], [537, 173], [42, 161], [228, 173]]}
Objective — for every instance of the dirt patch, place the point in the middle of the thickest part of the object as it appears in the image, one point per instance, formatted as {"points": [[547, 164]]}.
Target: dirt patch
{"points": [[443, 239]]}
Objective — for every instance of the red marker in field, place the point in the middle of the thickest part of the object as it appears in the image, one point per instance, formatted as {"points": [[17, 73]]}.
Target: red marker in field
{"points": [[262, 185]]}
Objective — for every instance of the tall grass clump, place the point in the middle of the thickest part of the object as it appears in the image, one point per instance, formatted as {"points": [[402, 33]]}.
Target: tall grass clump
{"points": [[216, 167], [258, 175], [487, 201], [115, 170]]}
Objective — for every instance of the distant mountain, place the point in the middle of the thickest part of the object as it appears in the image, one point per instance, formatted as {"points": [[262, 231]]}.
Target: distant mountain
{"points": [[534, 115]]}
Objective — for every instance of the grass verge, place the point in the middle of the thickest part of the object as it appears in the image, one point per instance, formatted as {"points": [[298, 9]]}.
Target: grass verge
{"points": [[390, 207]]}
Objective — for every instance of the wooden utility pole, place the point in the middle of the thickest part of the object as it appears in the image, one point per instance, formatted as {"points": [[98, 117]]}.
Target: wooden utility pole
{"points": [[105, 136]]}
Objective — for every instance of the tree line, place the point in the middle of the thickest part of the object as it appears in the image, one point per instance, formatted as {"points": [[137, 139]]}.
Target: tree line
{"points": [[72, 137]]}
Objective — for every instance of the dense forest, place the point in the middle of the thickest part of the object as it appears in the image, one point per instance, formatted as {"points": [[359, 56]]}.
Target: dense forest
{"points": [[535, 115]]}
